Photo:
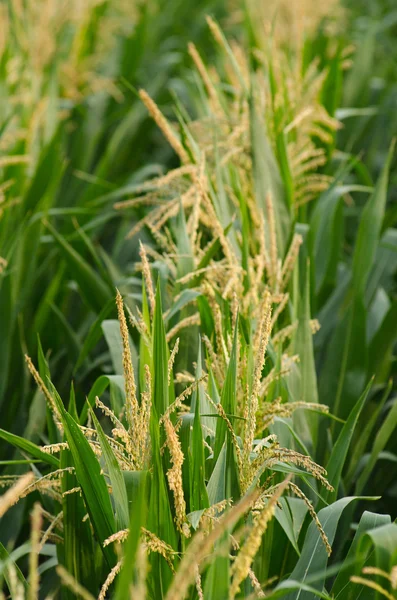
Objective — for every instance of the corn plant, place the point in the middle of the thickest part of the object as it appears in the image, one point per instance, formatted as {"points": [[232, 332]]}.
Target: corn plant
{"points": [[226, 441]]}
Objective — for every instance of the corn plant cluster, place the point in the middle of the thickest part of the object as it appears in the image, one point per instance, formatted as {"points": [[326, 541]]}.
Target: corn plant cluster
{"points": [[198, 258]]}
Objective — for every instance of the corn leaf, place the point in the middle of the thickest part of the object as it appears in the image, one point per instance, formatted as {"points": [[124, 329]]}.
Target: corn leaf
{"points": [[338, 456], [92, 482], [29, 447], [313, 559], [119, 491]]}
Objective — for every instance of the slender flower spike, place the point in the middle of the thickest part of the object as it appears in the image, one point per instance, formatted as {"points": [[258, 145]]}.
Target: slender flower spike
{"points": [[15, 492], [244, 559], [174, 476], [147, 278], [163, 124], [40, 383], [131, 401]]}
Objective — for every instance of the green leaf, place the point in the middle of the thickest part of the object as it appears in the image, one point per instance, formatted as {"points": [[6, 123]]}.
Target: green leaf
{"points": [[185, 438], [369, 230], [92, 482], [326, 236], [283, 590], [94, 290], [380, 547], [340, 449], [342, 587], [119, 491], [228, 397], [267, 178], [344, 371], [72, 404], [45, 375], [364, 431], [345, 368], [210, 251], [206, 408], [303, 346], [116, 384], [78, 555], [186, 297], [222, 434], [6, 333], [138, 515], [216, 486], [94, 334], [314, 558], [217, 580], [70, 339], [30, 448], [5, 562], [160, 359], [387, 429], [111, 331], [199, 496], [384, 265], [50, 160], [160, 520], [284, 516], [381, 346], [145, 345], [185, 263]]}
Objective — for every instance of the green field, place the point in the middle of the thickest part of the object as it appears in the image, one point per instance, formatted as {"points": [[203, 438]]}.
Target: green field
{"points": [[198, 299]]}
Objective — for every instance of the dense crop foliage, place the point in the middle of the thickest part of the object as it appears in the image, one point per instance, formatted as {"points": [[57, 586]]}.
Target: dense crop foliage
{"points": [[198, 318]]}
